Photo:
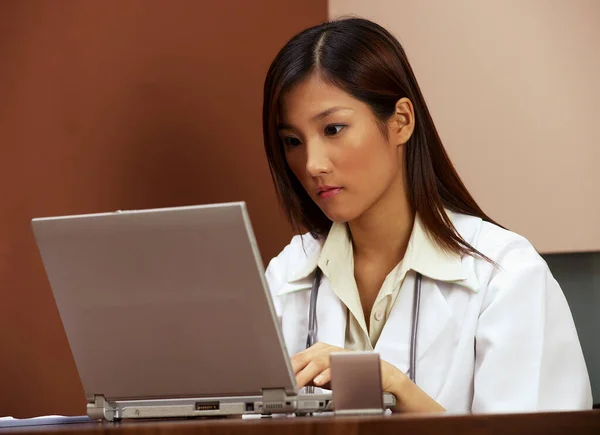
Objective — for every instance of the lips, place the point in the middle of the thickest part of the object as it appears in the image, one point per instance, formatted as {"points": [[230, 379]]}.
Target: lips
{"points": [[328, 191]]}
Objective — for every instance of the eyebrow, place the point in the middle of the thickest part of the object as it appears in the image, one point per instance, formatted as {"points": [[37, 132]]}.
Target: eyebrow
{"points": [[318, 116]]}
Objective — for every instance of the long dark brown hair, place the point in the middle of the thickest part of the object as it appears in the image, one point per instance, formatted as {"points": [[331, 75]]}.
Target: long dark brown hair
{"points": [[366, 61]]}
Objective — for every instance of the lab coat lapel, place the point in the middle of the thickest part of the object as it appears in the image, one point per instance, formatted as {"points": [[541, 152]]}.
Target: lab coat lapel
{"points": [[434, 317], [331, 316]]}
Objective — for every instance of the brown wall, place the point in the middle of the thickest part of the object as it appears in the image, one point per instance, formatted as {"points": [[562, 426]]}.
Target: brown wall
{"points": [[122, 105]]}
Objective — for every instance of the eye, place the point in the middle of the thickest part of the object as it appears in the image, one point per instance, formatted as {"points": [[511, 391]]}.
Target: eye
{"points": [[291, 141], [333, 129]]}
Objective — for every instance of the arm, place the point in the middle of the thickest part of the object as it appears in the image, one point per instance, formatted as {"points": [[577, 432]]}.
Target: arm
{"points": [[528, 356], [409, 397]]}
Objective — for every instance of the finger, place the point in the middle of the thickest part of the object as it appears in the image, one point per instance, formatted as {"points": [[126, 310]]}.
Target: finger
{"points": [[311, 371], [305, 376], [323, 378], [300, 361], [391, 376]]}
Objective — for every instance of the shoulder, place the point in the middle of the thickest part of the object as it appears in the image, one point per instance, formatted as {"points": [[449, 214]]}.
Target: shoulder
{"points": [[498, 244], [293, 256], [294, 259], [518, 265], [488, 238]]}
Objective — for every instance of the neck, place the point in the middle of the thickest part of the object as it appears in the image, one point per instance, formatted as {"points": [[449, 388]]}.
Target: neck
{"points": [[382, 233]]}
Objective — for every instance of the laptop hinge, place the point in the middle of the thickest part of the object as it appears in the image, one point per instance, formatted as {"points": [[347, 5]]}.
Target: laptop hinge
{"points": [[98, 408], [274, 395], [276, 400]]}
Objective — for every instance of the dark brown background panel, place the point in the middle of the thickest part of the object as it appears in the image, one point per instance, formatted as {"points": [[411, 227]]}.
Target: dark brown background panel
{"points": [[122, 105]]}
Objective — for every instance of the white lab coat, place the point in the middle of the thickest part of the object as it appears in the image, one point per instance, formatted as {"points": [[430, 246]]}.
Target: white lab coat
{"points": [[509, 346]]}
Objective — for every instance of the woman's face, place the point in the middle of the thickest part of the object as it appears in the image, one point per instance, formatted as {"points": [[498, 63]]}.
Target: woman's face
{"points": [[336, 148]]}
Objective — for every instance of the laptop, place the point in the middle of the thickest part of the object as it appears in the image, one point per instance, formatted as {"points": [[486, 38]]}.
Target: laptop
{"points": [[168, 314]]}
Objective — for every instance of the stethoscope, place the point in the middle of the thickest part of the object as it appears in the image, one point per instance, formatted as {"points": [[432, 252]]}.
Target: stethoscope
{"points": [[311, 339]]}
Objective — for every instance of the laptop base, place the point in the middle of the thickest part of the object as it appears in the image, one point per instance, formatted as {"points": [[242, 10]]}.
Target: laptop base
{"points": [[270, 402]]}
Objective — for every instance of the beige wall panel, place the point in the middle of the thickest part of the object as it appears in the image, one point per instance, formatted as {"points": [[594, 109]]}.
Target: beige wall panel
{"points": [[514, 88]]}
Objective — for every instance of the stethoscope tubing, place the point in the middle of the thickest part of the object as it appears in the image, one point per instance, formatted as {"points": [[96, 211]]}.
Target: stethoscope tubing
{"points": [[311, 338]]}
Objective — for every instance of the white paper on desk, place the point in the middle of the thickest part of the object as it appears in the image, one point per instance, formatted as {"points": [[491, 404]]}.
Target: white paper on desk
{"points": [[42, 420]]}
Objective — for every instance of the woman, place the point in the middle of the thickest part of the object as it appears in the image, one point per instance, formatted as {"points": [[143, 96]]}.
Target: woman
{"points": [[357, 161]]}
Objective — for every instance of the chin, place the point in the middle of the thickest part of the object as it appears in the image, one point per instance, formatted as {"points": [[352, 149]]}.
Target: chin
{"points": [[340, 215]]}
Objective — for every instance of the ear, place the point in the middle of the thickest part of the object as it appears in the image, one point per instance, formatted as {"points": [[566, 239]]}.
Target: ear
{"points": [[402, 123]]}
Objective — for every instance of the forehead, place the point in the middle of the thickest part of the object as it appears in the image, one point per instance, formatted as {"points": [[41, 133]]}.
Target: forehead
{"points": [[312, 96]]}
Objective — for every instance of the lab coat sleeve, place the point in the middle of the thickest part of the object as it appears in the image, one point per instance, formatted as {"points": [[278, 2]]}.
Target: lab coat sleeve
{"points": [[527, 352]]}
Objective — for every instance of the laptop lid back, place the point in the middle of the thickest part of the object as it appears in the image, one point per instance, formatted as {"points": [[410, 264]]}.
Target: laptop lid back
{"points": [[165, 303]]}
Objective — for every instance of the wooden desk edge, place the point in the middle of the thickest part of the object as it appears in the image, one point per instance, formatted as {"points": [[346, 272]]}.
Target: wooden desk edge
{"points": [[580, 422]]}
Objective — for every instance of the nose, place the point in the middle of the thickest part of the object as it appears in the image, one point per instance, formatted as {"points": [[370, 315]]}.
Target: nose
{"points": [[317, 160]]}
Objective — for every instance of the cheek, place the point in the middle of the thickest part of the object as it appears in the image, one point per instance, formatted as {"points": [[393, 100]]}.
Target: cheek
{"points": [[368, 161]]}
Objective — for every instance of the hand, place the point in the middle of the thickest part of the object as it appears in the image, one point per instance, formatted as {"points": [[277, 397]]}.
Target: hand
{"points": [[311, 367]]}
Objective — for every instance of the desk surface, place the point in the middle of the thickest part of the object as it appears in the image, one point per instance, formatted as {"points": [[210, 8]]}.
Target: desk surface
{"points": [[576, 423]]}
